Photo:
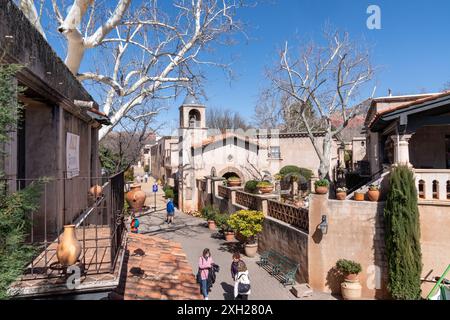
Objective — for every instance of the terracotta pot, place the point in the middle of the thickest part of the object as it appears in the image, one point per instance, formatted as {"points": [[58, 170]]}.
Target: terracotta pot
{"points": [[135, 197], [251, 249], [211, 225], [234, 183], [359, 196], [229, 236], [373, 195], [321, 190], [95, 191], [265, 190], [341, 195], [69, 249], [351, 290]]}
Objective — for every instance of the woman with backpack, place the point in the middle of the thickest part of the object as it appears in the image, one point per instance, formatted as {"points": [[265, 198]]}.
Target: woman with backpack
{"points": [[205, 263], [242, 282]]}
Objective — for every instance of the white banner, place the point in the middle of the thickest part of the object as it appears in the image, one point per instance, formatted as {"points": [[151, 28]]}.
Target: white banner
{"points": [[72, 155]]}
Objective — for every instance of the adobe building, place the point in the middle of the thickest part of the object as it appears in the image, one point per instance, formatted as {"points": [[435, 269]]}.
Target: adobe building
{"points": [[198, 151]]}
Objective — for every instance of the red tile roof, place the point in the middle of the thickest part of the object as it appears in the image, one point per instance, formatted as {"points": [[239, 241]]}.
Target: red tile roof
{"points": [[407, 105], [156, 268]]}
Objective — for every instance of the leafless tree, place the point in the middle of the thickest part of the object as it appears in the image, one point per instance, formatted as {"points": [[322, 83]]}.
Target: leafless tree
{"points": [[328, 79], [223, 119], [150, 53]]}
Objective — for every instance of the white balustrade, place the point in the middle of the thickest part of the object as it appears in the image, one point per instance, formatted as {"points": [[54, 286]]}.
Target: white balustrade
{"points": [[433, 184]]}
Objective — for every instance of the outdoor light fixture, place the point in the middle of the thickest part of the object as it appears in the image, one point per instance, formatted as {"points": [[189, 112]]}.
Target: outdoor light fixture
{"points": [[323, 226]]}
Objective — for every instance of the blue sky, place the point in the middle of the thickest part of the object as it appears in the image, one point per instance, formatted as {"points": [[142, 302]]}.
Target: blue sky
{"points": [[411, 51]]}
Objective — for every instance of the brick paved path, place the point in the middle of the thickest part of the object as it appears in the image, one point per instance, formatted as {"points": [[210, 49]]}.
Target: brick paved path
{"points": [[194, 236]]}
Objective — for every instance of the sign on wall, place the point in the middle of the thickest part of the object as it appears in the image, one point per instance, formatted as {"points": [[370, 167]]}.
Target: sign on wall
{"points": [[72, 155]]}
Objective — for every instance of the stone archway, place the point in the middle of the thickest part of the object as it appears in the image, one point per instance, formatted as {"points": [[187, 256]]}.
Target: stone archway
{"points": [[231, 171]]}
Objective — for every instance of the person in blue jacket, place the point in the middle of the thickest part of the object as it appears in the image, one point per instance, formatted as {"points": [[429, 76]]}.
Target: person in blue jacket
{"points": [[170, 211]]}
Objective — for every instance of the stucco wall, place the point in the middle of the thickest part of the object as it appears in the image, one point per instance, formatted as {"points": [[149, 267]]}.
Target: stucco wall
{"points": [[355, 232], [291, 242], [435, 240]]}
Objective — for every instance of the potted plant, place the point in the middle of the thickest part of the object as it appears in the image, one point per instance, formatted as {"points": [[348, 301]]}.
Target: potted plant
{"points": [[359, 196], [222, 223], [234, 181], [374, 192], [265, 187], [209, 213], [350, 288], [321, 186], [248, 223], [341, 193], [250, 186]]}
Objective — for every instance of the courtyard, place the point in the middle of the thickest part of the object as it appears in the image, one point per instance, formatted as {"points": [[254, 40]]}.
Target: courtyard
{"points": [[194, 236]]}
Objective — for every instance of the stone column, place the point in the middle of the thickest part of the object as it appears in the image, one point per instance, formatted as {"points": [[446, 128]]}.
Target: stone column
{"points": [[401, 149]]}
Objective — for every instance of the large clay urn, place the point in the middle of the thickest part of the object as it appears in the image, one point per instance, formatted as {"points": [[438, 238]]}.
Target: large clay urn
{"points": [[69, 249], [251, 249], [351, 288], [95, 191], [136, 197]]}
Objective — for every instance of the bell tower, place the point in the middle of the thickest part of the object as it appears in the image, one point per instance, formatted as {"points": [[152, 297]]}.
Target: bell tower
{"points": [[192, 133], [192, 114]]}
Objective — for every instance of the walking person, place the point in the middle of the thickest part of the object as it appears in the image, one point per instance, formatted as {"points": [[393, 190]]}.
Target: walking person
{"points": [[170, 208], [242, 282], [234, 265], [205, 263]]}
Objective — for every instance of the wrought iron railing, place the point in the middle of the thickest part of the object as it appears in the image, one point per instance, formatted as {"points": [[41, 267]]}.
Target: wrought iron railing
{"points": [[99, 223]]}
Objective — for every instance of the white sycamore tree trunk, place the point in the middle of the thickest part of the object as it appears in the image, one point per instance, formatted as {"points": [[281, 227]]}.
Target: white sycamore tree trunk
{"points": [[325, 80], [154, 53]]}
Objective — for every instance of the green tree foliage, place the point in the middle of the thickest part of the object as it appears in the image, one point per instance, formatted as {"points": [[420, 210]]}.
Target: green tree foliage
{"points": [[402, 236], [296, 171], [15, 207]]}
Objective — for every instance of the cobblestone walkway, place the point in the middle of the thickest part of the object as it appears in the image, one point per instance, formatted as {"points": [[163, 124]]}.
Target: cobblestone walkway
{"points": [[194, 236]]}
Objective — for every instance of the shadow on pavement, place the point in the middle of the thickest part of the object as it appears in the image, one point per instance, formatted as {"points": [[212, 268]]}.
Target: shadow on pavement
{"points": [[228, 291]]}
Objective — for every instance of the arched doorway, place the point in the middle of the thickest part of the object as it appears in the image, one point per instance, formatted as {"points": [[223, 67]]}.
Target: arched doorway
{"points": [[231, 172]]}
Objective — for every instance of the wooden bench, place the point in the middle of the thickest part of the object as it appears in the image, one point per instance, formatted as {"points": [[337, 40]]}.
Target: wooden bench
{"points": [[280, 266]]}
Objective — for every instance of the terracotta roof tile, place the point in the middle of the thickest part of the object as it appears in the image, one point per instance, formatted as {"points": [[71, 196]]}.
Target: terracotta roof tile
{"points": [[407, 105], [156, 269]]}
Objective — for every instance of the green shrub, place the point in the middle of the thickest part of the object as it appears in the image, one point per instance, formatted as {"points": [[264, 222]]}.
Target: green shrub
{"points": [[248, 223], [348, 266], [402, 236], [169, 193], [147, 168], [264, 184], [251, 186], [294, 170], [209, 212], [221, 220], [322, 183], [129, 174]]}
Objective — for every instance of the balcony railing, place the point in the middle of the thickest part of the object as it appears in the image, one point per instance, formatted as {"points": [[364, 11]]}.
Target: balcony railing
{"points": [[99, 225], [433, 184], [223, 192]]}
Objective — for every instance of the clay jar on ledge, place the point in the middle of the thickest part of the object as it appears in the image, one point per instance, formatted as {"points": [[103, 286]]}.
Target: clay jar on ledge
{"points": [[135, 197]]}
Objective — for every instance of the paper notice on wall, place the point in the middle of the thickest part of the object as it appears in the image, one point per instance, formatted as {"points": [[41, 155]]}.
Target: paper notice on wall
{"points": [[72, 155]]}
